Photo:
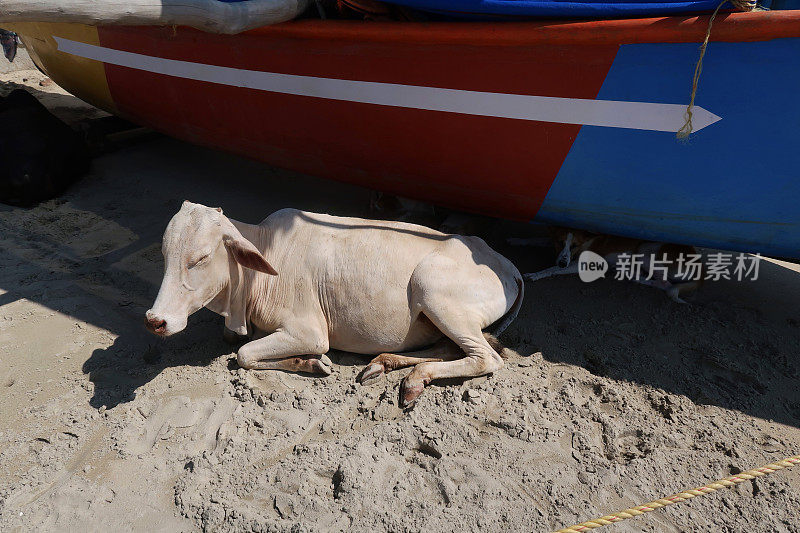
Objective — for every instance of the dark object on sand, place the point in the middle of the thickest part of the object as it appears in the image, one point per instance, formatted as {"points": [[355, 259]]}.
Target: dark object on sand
{"points": [[8, 40], [40, 156]]}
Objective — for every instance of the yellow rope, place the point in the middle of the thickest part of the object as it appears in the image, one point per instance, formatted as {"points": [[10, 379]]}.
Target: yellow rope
{"points": [[729, 481]]}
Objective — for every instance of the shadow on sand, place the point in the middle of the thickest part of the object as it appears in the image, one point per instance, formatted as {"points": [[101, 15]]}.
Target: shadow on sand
{"points": [[736, 347], [136, 358]]}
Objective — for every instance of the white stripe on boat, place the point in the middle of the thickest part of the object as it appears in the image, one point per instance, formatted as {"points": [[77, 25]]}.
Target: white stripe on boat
{"points": [[606, 113]]}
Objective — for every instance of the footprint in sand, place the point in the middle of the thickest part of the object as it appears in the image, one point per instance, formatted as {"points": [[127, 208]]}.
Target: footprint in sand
{"points": [[200, 420]]}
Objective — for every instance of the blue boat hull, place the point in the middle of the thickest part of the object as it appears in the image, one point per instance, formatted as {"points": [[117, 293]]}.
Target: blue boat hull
{"points": [[559, 8], [733, 185]]}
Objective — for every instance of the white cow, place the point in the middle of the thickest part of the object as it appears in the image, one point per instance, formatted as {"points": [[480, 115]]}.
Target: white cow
{"points": [[312, 282]]}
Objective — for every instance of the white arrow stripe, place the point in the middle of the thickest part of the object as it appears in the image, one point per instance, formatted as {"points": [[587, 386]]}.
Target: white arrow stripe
{"points": [[608, 113]]}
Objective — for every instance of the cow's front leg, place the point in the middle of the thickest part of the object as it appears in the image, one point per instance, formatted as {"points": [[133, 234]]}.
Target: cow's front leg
{"points": [[286, 351]]}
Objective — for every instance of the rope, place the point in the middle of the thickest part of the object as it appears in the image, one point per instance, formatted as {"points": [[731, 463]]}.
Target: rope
{"points": [[729, 481], [742, 5]]}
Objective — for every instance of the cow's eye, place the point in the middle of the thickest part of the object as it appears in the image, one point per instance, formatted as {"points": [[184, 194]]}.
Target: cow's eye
{"points": [[199, 261]]}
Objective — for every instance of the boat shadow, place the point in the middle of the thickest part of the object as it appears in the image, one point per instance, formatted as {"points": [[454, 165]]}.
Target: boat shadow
{"points": [[735, 346]]}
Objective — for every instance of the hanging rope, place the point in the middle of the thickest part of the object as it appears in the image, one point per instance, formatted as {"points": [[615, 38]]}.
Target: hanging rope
{"points": [[729, 481], [742, 5]]}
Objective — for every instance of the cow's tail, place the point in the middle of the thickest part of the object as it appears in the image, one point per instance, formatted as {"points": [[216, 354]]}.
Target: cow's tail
{"points": [[500, 326]]}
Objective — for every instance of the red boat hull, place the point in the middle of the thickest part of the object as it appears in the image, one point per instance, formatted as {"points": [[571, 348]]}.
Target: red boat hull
{"points": [[562, 122], [446, 158]]}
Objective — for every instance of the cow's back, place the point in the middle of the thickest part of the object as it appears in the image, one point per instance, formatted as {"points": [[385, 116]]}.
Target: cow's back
{"points": [[360, 270], [322, 237]]}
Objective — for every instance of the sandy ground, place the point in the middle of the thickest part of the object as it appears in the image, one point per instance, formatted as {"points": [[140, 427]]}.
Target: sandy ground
{"points": [[611, 396]]}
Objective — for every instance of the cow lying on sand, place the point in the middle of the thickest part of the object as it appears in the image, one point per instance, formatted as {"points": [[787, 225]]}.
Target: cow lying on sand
{"points": [[312, 282]]}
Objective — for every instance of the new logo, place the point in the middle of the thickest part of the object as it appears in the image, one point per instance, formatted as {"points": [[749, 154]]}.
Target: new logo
{"points": [[591, 266]]}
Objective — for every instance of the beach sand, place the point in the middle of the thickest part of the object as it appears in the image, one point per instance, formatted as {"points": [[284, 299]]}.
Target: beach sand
{"points": [[611, 396]]}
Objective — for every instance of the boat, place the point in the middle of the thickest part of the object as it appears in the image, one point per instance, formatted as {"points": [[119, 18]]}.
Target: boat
{"points": [[564, 122], [510, 9]]}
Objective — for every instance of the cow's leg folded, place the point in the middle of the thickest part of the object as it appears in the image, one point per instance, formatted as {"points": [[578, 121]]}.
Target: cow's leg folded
{"points": [[310, 364], [444, 350], [284, 351], [460, 299], [479, 359]]}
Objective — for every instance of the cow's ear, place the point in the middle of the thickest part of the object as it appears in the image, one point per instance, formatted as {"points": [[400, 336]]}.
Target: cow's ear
{"points": [[246, 254]]}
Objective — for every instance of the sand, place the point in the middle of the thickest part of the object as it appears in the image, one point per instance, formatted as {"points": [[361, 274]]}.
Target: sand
{"points": [[611, 395]]}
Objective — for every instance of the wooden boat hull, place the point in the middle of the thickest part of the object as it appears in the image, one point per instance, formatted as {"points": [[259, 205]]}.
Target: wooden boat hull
{"points": [[568, 123]]}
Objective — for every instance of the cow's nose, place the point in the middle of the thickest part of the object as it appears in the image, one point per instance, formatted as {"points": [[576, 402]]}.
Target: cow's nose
{"points": [[155, 324]]}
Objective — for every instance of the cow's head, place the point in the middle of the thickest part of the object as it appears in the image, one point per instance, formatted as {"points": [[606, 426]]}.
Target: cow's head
{"points": [[202, 252]]}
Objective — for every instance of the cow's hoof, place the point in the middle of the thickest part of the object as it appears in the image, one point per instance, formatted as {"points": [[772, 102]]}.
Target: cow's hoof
{"points": [[323, 365], [409, 393], [371, 371]]}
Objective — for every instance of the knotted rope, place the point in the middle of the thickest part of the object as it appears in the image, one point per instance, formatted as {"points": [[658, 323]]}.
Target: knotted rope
{"points": [[729, 481], [742, 5]]}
